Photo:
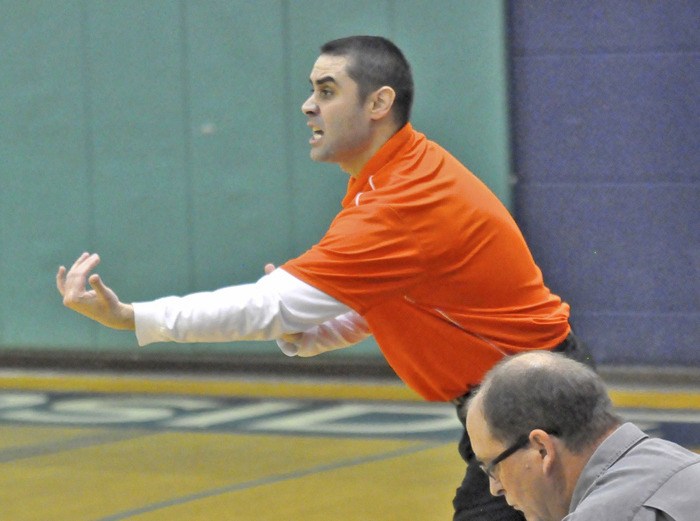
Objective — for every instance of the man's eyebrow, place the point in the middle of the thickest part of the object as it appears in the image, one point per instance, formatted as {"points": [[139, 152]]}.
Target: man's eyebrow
{"points": [[324, 79]]}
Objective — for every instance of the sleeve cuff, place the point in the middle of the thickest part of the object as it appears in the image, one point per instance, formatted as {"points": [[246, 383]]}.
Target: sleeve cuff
{"points": [[147, 323]]}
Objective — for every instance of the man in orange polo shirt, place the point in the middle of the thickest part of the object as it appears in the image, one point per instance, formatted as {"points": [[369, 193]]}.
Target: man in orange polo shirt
{"points": [[422, 256]]}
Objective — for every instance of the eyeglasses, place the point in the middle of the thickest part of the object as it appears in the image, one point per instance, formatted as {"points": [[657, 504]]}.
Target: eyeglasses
{"points": [[520, 443]]}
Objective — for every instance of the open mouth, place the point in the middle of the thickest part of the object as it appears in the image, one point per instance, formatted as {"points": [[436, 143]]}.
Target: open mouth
{"points": [[316, 135]]}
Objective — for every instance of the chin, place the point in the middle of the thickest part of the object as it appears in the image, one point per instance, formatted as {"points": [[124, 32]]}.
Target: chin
{"points": [[319, 156]]}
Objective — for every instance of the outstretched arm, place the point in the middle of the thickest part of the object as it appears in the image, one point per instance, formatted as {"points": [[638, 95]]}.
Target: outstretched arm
{"points": [[99, 303], [304, 320]]}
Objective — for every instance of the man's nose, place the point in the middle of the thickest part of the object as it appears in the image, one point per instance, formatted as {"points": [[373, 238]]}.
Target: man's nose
{"points": [[495, 487], [309, 106]]}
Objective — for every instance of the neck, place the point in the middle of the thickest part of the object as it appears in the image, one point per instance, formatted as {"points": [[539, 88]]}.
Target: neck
{"points": [[383, 132]]}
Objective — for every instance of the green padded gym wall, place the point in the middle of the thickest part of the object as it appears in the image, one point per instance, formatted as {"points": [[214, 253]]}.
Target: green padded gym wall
{"points": [[167, 136]]}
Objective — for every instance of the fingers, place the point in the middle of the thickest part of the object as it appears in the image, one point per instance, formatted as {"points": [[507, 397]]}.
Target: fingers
{"points": [[79, 260], [86, 262], [99, 286], [82, 266], [269, 268], [99, 302], [71, 283], [96, 283], [61, 280]]}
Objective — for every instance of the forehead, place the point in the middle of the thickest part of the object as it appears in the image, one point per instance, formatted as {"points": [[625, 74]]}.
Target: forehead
{"points": [[485, 446], [328, 66]]}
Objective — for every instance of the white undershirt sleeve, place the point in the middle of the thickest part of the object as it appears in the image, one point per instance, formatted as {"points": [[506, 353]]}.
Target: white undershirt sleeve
{"points": [[278, 306]]}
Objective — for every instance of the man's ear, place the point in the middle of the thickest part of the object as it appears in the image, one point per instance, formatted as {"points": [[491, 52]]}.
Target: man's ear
{"points": [[381, 101], [544, 443]]}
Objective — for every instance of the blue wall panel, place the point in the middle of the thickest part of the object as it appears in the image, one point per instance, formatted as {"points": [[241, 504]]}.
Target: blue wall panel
{"points": [[606, 122], [609, 117], [617, 262], [603, 26]]}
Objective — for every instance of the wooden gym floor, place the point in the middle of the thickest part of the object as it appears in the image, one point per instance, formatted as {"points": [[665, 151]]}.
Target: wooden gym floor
{"points": [[82, 447]]}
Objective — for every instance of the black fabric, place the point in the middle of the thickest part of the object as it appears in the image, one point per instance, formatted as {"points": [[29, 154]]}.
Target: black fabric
{"points": [[573, 348], [473, 500]]}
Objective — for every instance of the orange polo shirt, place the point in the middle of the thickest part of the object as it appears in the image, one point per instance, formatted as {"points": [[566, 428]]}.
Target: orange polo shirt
{"points": [[436, 265]]}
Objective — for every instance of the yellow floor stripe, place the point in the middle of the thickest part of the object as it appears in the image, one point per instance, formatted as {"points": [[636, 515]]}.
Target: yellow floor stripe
{"points": [[290, 389], [655, 399], [262, 388]]}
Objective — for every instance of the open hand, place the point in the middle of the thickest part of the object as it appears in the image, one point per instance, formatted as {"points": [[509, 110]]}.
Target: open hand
{"points": [[99, 303]]}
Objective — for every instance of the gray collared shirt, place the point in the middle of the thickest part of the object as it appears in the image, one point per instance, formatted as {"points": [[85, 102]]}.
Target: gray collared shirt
{"points": [[632, 477]]}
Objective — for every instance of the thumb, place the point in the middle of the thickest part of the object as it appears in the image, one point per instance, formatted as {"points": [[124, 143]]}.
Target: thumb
{"points": [[269, 268]]}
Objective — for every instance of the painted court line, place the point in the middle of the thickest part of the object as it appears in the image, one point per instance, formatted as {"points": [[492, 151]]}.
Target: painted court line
{"points": [[269, 480], [11, 454]]}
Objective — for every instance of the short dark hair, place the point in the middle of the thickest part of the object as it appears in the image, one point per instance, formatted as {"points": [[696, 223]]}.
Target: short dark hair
{"points": [[373, 62], [544, 390]]}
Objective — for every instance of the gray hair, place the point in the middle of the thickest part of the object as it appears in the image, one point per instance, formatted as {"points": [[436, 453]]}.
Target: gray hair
{"points": [[544, 390]]}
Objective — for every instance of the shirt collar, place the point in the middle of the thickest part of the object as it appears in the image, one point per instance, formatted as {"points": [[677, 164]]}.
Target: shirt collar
{"points": [[605, 456]]}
